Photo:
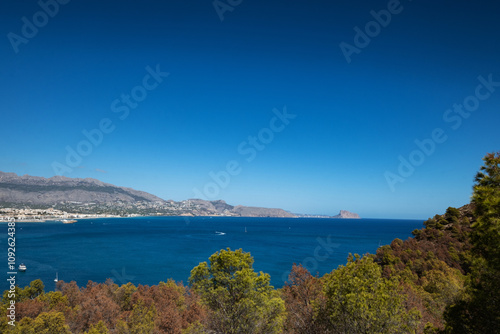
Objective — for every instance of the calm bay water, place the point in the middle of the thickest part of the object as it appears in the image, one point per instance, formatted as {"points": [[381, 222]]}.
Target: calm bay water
{"points": [[148, 250]]}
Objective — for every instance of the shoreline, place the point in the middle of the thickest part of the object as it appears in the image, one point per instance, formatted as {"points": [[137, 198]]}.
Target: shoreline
{"points": [[52, 220]]}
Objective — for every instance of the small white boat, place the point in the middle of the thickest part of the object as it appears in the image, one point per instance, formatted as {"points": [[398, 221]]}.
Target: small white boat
{"points": [[22, 267], [57, 278], [220, 233]]}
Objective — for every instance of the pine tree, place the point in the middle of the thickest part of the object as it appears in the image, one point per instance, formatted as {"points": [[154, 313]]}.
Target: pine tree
{"points": [[360, 300], [240, 300], [479, 309]]}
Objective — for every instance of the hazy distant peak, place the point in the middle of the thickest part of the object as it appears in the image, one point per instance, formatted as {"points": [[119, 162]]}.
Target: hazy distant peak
{"points": [[347, 214], [39, 190]]}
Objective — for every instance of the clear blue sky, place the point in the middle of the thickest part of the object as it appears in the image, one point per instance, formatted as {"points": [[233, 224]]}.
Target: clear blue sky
{"points": [[353, 120]]}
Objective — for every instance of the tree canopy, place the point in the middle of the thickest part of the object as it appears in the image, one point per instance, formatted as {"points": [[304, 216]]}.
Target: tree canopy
{"points": [[360, 300], [478, 311], [240, 300]]}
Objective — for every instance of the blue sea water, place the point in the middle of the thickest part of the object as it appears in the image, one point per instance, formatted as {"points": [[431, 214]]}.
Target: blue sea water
{"points": [[147, 250]]}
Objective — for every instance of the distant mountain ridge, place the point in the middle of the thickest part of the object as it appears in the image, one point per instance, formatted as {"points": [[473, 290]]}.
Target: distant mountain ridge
{"points": [[93, 196], [220, 207], [42, 191], [342, 214]]}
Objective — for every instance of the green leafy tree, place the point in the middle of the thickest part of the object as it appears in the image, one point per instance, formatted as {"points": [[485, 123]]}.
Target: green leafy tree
{"points": [[479, 309], [99, 328], [142, 319], [17, 293], [122, 327], [55, 300], [240, 300], [25, 326], [443, 285], [195, 328], [45, 323], [123, 296], [34, 290], [486, 197], [360, 300]]}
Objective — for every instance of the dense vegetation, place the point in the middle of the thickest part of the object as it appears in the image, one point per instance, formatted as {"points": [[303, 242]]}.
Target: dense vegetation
{"points": [[443, 280]]}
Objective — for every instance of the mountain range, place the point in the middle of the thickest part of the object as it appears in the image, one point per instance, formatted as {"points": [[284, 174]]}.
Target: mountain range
{"points": [[93, 196]]}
